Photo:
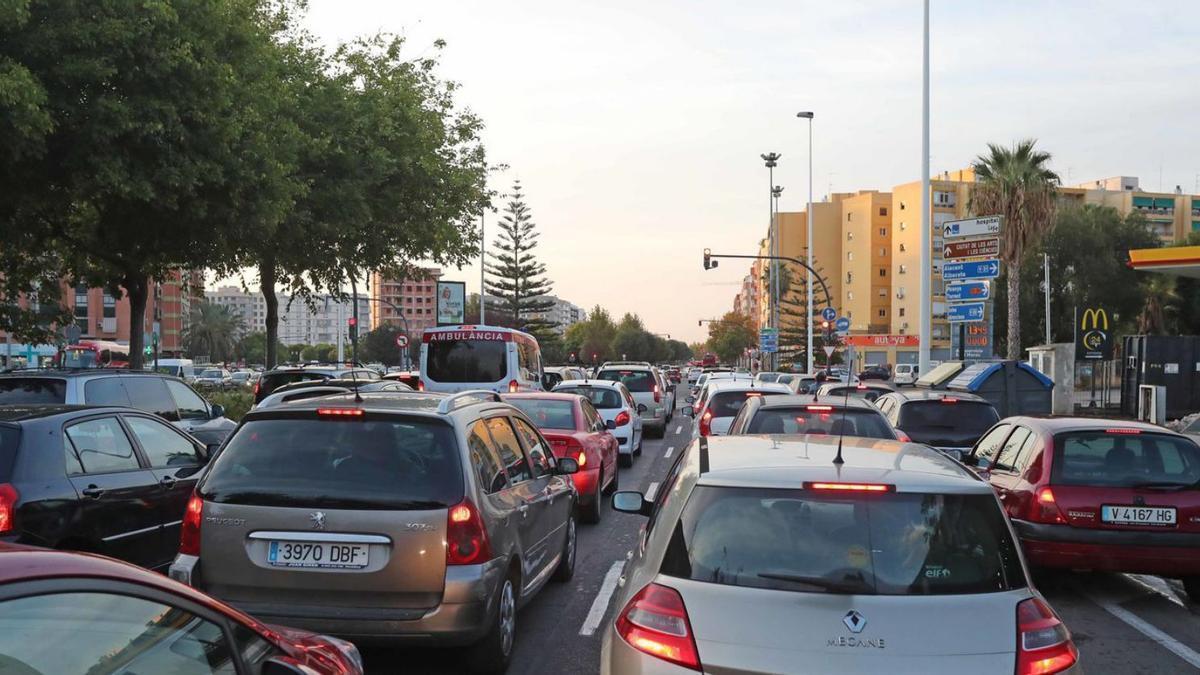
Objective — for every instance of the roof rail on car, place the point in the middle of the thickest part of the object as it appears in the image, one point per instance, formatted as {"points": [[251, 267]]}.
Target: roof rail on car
{"points": [[466, 398]]}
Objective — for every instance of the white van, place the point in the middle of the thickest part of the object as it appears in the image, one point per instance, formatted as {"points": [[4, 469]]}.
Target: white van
{"points": [[905, 373], [458, 358], [184, 369]]}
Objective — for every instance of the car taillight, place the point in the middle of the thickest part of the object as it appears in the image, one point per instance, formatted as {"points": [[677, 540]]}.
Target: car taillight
{"points": [[256, 387], [901, 436], [657, 395], [581, 458], [622, 418], [189, 532], [466, 539], [850, 487], [8, 507], [706, 423], [1045, 509], [513, 386], [420, 385], [1044, 644], [949, 399], [655, 622]]}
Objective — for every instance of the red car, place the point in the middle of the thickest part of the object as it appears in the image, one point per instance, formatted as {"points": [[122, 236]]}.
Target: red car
{"points": [[1098, 494], [95, 614], [574, 428]]}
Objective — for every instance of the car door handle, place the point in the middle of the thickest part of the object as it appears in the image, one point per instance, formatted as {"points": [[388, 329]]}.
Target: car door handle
{"points": [[168, 481], [524, 510], [93, 491]]}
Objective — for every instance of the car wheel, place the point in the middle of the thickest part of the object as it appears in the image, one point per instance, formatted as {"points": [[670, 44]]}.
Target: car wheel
{"points": [[566, 564], [638, 450], [1192, 586], [625, 461], [493, 653], [590, 514]]}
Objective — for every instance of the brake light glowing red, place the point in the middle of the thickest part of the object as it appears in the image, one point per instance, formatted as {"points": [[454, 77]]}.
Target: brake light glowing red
{"points": [[949, 399], [901, 436], [513, 386], [706, 423], [1044, 644], [8, 507], [189, 531], [657, 395], [420, 385], [1046, 509], [1123, 431], [623, 418], [340, 412], [466, 538], [850, 487], [257, 386], [819, 408], [655, 622], [581, 459]]}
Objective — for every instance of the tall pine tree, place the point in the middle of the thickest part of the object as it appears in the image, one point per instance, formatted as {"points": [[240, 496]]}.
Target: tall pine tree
{"points": [[517, 282]]}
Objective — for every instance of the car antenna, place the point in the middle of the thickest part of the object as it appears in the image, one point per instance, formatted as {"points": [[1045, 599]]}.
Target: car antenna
{"points": [[842, 425], [354, 378]]}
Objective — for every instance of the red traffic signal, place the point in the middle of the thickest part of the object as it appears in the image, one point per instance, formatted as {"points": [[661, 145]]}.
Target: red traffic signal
{"points": [[353, 322]]}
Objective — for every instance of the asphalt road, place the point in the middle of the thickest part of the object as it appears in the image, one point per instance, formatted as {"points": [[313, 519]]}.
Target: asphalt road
{"points": [[1121, 623]]}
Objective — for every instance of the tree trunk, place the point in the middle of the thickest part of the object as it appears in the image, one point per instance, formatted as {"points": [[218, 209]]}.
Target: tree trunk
{"points": [[266, 278], [1014, 312], [137, 287]]}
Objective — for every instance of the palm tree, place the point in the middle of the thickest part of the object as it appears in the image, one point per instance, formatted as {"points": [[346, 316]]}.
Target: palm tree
{"points": [[213, 330], [1015, 184], [1161, 298]]}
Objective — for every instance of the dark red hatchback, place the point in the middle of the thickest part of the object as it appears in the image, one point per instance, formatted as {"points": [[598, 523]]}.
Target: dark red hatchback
{"points": [[75, 613], [1098, 494]]}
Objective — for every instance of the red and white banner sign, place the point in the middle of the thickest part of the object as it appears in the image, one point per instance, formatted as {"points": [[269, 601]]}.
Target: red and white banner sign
{"points": [[882, 340]]}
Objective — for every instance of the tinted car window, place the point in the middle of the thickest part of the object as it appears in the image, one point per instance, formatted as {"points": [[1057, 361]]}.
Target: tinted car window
{"points": [[271, 381], [162, 445], [9, 438], [190, 405], [539, 454], [102, 446], [547, 414], [467, 360], [728, 403], [390, 463], [550, 380], [637, 381], [70, 458], [850, 422], [1101, 459], [601, 398], [966, 416], [509, 449], [150, 394], [488, 468], [105, 391], [32, 390], [865, 393], [591, 418], [890, 544], [109, 633]]}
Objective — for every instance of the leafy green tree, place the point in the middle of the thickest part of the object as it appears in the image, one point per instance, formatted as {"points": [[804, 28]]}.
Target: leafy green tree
{"points": [[213, 330], [679, 350], [379, 345], [793, 312], [131, 126], [1161, 301], [253, 348], [323, 352], [631, 341], [515, 276], [1015, 184], [731, 336], [1187, 307]]}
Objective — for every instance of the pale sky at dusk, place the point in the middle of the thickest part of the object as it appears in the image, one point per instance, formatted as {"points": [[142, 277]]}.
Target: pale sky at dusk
{"points": [[636, 125]]}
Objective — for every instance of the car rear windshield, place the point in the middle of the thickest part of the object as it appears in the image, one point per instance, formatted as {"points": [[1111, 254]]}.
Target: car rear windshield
{"points": [[865, 393], [25, 390], [467, 361], [211, 373], [805, 541], [1102, 459], [821, 419], [728, 403], [547, 414], [9, 437], [600, 397], [964, 416], [637, 381], [351, 463], [273, 381]]}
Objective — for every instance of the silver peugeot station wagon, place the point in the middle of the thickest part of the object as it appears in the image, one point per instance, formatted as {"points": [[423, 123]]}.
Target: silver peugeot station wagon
{"points": [[385, 517]]}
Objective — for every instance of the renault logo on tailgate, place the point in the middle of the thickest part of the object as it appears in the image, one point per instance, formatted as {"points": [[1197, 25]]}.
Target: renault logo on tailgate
{"points": [[854, 621]]}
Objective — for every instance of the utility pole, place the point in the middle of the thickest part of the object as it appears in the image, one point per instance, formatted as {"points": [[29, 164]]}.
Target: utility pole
{"points": [[808, 242], [776, 192], [926, 327], [1046, 270], [772, 160], [482, 269]]}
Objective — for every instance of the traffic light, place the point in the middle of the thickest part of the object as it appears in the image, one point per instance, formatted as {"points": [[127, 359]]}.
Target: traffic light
{"points": [[353, 328], [709, 263]]}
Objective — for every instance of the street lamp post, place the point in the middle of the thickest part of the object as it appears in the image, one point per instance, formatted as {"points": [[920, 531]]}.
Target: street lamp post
{"points": [[926, 326], [772, 160], [808, 243], [482, 269]]}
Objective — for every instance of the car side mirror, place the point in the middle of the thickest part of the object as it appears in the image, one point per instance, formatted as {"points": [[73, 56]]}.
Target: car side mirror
{"points": [[610, 424], [217, 410], [982, 464], [629, 501], [690, 399], [567, 466], [642, 408]]}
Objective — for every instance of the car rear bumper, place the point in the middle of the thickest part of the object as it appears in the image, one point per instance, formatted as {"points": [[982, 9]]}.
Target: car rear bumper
{"points": [[625, 444], [461, 618], [1173, 554]]}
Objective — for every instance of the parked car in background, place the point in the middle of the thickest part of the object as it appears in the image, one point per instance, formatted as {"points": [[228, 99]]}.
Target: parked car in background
{"points": [[764, 555], [808, 414], [315, 388], [869, 390], [109, 480], [803, 383], [575, 429], [273, 379], [243, 379], [615, 404], [949, 421], [552, 375], [875, 372], [93, 614], [1085, 493], [767, 376], [184, 369], [643, 382], [168, 397], [905, 373], [723, 401], [404, 518], [214, 377]]}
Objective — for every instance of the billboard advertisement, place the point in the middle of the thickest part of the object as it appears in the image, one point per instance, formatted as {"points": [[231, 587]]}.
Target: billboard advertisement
{"points": [[451, 302]]}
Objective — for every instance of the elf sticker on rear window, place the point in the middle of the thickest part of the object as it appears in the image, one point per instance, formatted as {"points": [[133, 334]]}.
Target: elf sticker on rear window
{"points": [[856, 556]]}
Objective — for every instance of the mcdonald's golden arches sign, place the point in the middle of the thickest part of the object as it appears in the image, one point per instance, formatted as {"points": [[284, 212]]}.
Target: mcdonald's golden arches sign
{"points": [[1093, 339]]}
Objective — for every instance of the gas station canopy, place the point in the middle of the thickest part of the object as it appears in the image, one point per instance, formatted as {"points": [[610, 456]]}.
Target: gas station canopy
{"points": [[1181, 260]]}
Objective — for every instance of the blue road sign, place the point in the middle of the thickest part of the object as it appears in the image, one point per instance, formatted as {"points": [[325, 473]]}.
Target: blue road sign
{"points": [[965, 312], [967, 291], [768, 340], [829, 314], [842, 325], [977, 269]]}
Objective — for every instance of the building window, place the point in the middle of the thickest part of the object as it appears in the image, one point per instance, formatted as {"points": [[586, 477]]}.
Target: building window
{"points": [[901, 311], [882, 313], [849, 295], [882, 251], [81, 302], [883, 210], [903, 269], [903, 226], [883, 231], [110, 306], [849, 277], [903, 248], [883, 271], [849, 236], [850, 255], [848, 217], [883, 291], [901, 206]]}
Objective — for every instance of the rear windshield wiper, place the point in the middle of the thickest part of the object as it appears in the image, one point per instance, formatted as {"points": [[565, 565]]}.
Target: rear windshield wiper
{"points": [[819, 582], [1163, 485]]}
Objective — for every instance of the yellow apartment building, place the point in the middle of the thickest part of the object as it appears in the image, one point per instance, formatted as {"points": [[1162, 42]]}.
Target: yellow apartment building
{"points": [[867, 261], [1172, 215]]}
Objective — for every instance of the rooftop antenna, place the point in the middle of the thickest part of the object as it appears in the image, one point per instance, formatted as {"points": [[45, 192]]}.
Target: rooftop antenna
{"points": [[838, 461], [354, 378]]}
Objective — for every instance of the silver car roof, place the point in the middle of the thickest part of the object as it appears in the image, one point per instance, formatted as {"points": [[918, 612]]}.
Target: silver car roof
{"points": [[779, 461], [741, 384], [606, 384]]}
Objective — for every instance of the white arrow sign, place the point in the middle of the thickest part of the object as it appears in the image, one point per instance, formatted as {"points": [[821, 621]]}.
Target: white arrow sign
{"points": [[971, 227]]}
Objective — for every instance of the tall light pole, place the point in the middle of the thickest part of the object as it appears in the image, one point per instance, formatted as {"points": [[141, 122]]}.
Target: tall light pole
{"points": [[808, 243], [926, 328], [772, 160], [776, 192], [482, 269]]}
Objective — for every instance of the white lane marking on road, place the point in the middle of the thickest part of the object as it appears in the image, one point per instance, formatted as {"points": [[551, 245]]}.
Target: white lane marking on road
{"points": [[1156, 585], [651, 491], [667, 454], [603, 596], [678, 428], [1140, 625]]}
